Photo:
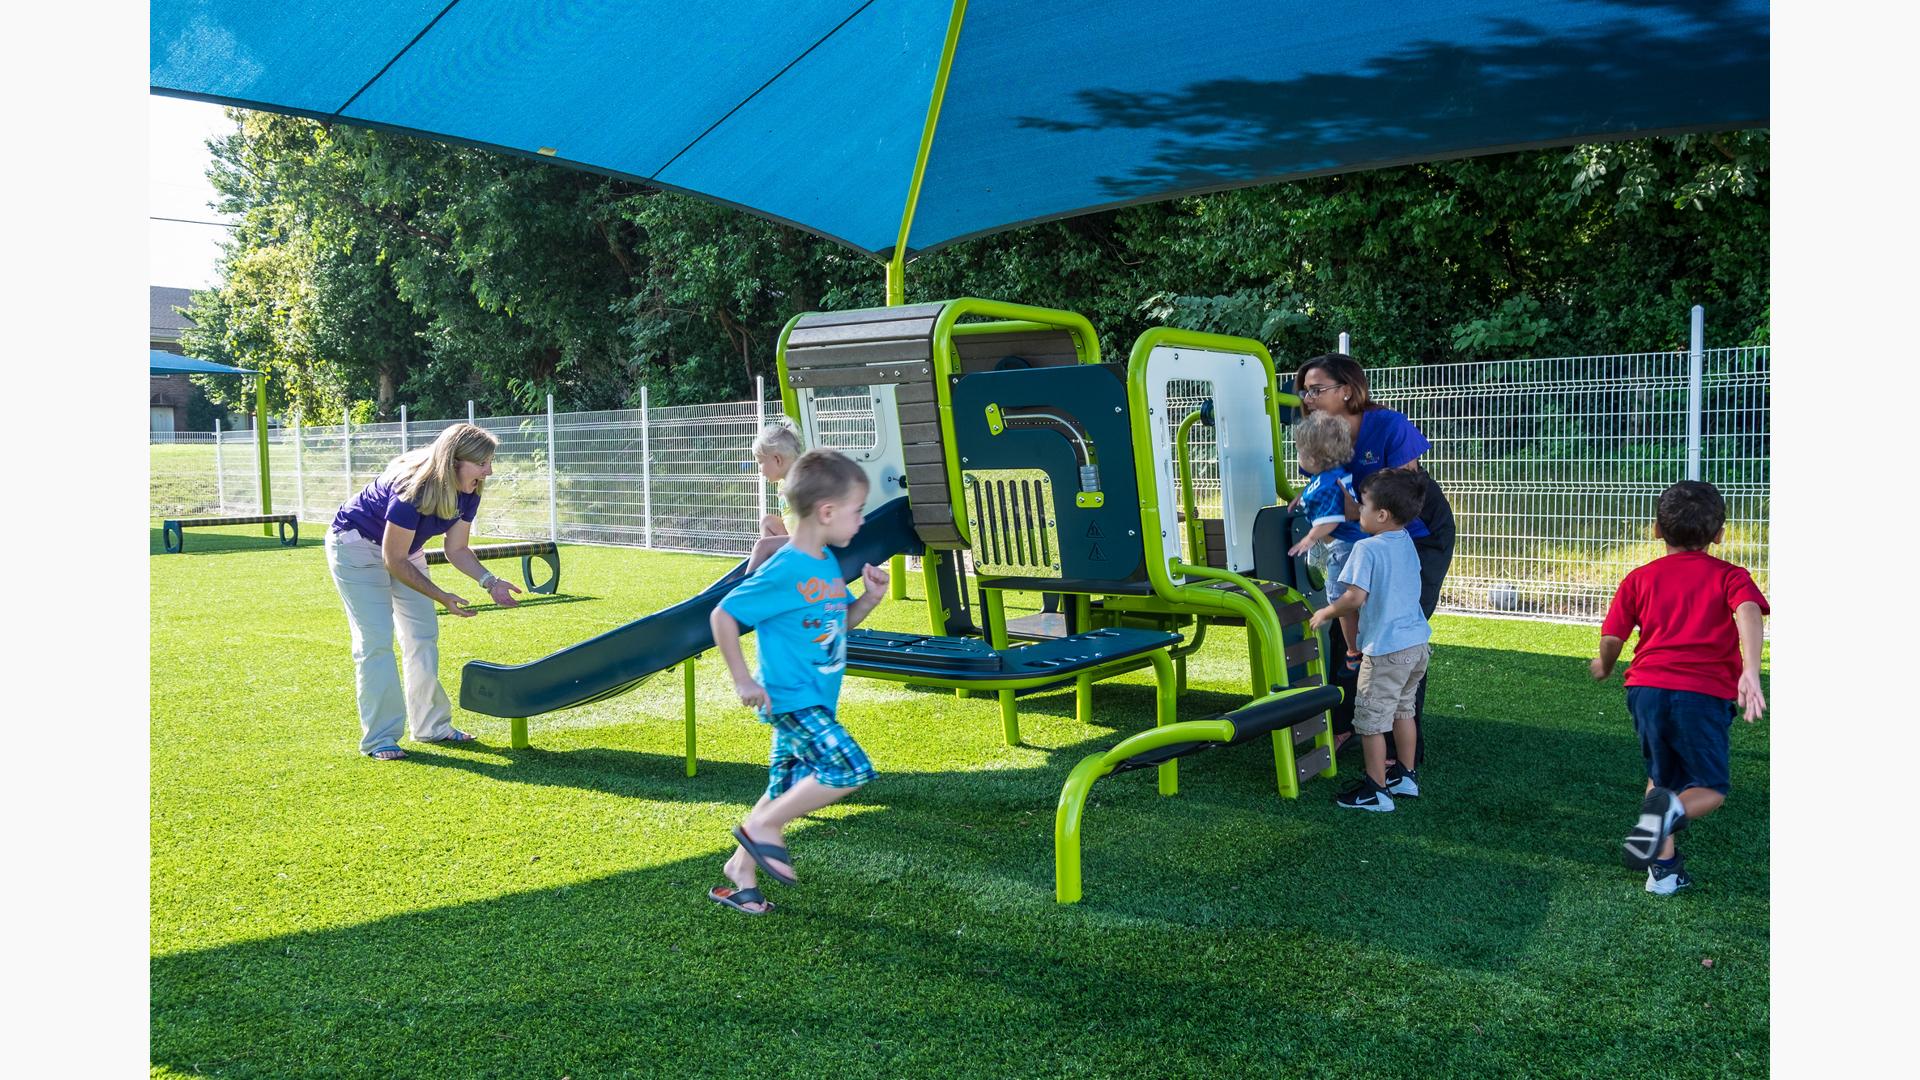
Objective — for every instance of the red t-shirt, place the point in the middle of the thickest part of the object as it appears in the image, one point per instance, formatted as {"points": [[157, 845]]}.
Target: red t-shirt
{"points": [[1683, 604]]}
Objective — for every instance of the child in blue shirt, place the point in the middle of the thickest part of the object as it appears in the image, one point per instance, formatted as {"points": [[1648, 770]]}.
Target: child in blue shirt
{"points": [[799, 605], [1323, 441], [1382, 576]]}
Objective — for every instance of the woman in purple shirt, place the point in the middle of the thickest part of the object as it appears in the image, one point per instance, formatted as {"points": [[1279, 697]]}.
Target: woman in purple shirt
{"points": [[1383, 439], [375, 552]]}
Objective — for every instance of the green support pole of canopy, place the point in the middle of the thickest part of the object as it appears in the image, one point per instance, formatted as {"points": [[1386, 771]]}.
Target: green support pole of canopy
{"points": [[897, 262], [166, 363], [260, 438]]}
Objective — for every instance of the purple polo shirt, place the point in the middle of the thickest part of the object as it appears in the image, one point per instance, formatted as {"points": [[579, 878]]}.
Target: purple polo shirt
{"points": [[1386, 440], [378, 503]]}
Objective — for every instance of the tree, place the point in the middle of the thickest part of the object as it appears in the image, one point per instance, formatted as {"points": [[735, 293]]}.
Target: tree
{"points": [[381, 269]]}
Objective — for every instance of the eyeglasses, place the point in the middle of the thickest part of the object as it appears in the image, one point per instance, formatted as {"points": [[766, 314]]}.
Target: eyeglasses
{"points": [[1310, 392]]}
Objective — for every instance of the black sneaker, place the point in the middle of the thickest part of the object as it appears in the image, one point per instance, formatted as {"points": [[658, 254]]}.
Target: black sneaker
{"points": [[1661, 815], [1366, 795], [1667, 880], [1403, 781]]}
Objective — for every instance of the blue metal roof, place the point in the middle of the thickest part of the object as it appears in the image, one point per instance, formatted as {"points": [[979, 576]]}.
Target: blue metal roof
{"points": [[811, 113]]}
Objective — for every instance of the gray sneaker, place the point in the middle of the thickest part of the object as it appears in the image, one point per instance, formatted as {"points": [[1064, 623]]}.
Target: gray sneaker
{"points": [[1660, 815], [1403, 781], [1667, 880]]}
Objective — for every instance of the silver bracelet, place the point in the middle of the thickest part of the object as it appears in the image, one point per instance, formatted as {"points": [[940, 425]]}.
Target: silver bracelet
{"points": [[488, 581]]}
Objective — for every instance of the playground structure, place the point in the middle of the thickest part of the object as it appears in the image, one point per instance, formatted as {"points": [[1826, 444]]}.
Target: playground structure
{"points": [[1012, 459]]}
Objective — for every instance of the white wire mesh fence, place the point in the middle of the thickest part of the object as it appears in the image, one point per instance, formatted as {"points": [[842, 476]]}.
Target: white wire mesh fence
{"points": [[1553, 468]]}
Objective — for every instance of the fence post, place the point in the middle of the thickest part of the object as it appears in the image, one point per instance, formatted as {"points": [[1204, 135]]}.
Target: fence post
{"points": [[1696, 379], [219, 467], [299, 467], [1345, 344], [646, 470], [346, 448], [760, 416], [404, 447], [553, 480], [470, 413]]}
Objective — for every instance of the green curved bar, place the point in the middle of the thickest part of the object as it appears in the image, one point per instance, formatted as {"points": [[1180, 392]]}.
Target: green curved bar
{"points": [[1073, 797], [1183, 456], [1257, 612]]}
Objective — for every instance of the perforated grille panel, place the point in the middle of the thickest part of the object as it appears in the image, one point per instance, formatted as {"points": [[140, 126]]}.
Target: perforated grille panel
{"points": [[1010, 517]]}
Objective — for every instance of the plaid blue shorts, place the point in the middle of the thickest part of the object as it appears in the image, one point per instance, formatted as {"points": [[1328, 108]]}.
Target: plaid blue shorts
{"points": [[811, 742]]}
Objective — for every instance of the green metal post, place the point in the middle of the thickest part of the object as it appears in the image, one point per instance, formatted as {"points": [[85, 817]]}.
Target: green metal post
{"points": [[1166, 708], [936, 608], [260, 437], [517, 736], [897, 264], [993, 603], [686, 670]]}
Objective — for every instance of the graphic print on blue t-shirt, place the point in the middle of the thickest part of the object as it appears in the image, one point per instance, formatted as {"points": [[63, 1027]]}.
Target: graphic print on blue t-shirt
{"points": [[796, 604], [1323, 501]]}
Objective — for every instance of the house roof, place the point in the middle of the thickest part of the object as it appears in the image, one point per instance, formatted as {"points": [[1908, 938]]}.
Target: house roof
{"points": [[166, 323]]}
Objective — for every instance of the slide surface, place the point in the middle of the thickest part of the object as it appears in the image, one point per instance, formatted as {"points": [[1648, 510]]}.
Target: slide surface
{"points": [[624, 657]]}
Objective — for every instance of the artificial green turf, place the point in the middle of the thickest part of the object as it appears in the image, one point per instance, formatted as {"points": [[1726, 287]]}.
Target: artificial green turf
{"points": [[481, 911]]}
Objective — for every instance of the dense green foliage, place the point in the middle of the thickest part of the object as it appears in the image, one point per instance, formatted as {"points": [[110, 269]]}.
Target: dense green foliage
{"points": [[379, 269], [479, 911]]}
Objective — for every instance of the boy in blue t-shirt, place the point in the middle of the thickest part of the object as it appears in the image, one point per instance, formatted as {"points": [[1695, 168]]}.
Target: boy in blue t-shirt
{"points": [[1323, 441], [1383, 587], [798, 604]]}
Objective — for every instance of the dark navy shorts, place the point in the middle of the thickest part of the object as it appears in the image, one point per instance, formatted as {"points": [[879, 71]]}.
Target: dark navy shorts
{"points": [[1683, 735]]}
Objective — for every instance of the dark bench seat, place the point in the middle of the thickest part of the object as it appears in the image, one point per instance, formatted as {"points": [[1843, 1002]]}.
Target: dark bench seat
{"points": [[175, 541], [526, 551], [972, 664]]}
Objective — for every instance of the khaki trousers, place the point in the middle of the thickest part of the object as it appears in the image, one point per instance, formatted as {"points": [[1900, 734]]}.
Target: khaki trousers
{"points": [[377, 606]]}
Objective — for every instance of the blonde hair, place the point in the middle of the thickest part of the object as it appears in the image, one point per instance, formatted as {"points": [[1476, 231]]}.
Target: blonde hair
{"points": [[821, 476], [429, 478], [1323, 440], [779, 437]]}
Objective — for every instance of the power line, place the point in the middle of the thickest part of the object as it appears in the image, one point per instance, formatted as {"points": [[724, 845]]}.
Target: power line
{"points": [[191, 221]]}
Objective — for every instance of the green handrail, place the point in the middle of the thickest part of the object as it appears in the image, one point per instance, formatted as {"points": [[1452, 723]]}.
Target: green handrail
{"points": [[1183, 458]]}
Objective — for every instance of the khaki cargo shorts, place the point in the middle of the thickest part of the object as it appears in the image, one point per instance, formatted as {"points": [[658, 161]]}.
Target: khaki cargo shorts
{"points": [[1387, 687]]}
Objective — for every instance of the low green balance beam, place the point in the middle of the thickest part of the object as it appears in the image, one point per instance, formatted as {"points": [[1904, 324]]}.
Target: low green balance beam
{"points": [[1161, 748]]}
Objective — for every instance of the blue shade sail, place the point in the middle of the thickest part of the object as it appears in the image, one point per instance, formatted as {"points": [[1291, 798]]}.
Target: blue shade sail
{"points": [[811, 113], [166, 363]]}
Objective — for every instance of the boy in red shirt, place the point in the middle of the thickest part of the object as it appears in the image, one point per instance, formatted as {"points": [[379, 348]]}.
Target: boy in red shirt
{"points": [[1698, 660]]}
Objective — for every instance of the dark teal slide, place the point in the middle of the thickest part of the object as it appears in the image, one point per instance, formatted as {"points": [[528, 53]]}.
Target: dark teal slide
{"points": [[623, 658]]}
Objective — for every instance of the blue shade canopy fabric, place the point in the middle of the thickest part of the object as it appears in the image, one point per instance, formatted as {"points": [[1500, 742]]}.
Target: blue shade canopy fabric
{"points": [[811, 112], [166, 363]]}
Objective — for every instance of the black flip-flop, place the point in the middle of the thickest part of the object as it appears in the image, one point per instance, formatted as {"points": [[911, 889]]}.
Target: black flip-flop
{"points": [[760, 854], [738, 899]]}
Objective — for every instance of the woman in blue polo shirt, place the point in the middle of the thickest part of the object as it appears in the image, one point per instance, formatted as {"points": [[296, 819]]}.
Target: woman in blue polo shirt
{"points": [[375, 552], [1384, 439]]}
